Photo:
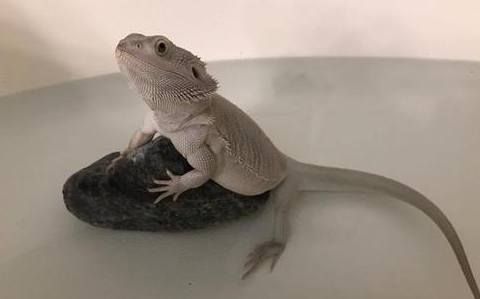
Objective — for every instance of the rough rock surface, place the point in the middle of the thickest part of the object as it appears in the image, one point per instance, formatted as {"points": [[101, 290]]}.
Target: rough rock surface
{"points": [[120, 200]]}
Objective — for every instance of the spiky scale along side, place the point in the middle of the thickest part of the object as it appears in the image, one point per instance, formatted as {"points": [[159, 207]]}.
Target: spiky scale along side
{"points": [[260, 158]]}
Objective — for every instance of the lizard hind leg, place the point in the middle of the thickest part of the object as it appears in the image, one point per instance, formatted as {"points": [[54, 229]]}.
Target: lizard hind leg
{"points": [[273, 248]]}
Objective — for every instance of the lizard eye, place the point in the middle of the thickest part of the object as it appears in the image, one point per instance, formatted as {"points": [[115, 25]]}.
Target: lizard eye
{"points": [[161, 48], [138, 45]]}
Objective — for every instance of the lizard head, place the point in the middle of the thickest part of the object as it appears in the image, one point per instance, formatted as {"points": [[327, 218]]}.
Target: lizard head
{"points": [[162, 72]]}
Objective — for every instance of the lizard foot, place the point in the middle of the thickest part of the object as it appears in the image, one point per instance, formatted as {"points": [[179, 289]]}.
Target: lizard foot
{"points": [[173, 186], [264, 251]]}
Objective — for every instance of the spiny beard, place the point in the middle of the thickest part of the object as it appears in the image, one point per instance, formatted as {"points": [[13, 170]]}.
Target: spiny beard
{"points": [[159, 88]]}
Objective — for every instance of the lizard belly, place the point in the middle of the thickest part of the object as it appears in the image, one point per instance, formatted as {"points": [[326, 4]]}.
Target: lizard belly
{"points": [[234, 178]]}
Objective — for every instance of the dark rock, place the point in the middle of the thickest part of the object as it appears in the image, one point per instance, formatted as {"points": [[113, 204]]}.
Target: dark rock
{"points": [[121, 201]]}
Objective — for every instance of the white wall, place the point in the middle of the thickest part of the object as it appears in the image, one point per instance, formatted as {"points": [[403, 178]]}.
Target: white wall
{"points": [[49, 41]]}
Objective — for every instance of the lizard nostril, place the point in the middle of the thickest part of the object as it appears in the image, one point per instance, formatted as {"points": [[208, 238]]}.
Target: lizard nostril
{"points": [[121, 44]]}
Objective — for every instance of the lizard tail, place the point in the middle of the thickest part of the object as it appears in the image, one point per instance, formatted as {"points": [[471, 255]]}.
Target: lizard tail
{"points": [[319, 178]]}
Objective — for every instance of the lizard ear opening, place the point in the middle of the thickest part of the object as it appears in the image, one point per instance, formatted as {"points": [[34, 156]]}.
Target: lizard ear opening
{"points": [[195, 72], [203, 82]]}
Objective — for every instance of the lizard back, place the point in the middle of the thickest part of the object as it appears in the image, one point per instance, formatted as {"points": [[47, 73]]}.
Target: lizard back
{"points": [[247, 145]]}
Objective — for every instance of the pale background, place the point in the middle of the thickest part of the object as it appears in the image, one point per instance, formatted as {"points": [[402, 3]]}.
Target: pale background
{"points": [[44, 42], [412, 120]]}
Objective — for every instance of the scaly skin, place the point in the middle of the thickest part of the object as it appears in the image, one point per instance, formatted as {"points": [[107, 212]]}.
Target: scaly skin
{"points": [[224, 144]]}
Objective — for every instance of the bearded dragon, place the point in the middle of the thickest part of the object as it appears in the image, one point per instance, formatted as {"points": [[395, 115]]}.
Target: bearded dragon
{"points": [[222, 143]]}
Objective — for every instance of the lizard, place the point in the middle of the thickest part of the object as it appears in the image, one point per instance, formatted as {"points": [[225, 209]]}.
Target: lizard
{"points": [[222, 143]]}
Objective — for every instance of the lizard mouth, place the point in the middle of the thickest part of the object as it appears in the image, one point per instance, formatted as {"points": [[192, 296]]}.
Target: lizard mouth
{"points": [[120, 49], [118, 53]]}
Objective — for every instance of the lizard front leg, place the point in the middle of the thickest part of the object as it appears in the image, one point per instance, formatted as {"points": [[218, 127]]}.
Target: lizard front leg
{"points": [[141, 136], [202, 160]]}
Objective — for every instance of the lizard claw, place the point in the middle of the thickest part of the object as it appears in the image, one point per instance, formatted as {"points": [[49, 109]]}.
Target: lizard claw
{"points": [[173, 186], [261, 253], [111, 167]]}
